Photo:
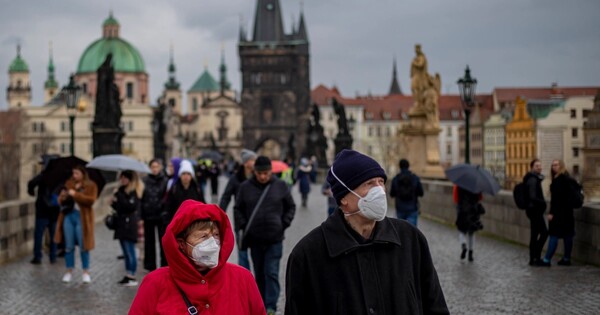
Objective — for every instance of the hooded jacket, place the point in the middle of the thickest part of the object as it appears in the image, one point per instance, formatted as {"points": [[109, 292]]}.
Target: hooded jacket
{"points": [[223, 290], [329, 272], [535, 194]]}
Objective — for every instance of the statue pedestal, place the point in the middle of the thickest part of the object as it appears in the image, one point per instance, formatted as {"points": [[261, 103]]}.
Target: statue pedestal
{"points": [[342, 142], [107, 141], [421, 148]]}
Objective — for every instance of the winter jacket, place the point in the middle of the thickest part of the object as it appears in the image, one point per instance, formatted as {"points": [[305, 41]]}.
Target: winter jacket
{"points": [[127, 206], [303, 179], [44, 196], [85, 196], [468, 210], [407, 206], [153, 200], [224, 290], [563, 221], [233, 185], [329, 272], [535, 194], [178, 194], [275, 214]]}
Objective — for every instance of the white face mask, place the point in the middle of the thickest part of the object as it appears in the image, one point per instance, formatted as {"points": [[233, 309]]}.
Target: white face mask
{"points": [[206, 253], [373, 206]]}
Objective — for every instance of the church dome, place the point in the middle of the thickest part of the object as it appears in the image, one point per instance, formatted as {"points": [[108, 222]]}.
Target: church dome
{"points": [[126, 58], [18, 64]]}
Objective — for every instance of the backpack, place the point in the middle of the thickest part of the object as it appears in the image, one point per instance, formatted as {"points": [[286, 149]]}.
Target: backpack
{"points": [[520, 196], [576, 195], [406, 187]]}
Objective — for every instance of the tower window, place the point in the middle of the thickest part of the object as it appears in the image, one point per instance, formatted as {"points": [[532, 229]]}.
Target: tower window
{"points": [[129, 90], [194, 104], [84, 87]]}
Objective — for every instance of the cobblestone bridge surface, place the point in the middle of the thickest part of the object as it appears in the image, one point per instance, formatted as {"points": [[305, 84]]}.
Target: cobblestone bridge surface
{"points": [[499, 281]]}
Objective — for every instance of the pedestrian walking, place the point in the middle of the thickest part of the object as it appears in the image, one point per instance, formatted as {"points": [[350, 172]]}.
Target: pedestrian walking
{"points": [[406, 189], [303, 177], [213, 174], [468, 213], [359, 261], [264, 209], [197, 243], [244, 172], [536, 206], [77, 226], [331, 204], [127, 204], [46, 214], [183, 189], [153, 205], [561, 218], [173, 171]]}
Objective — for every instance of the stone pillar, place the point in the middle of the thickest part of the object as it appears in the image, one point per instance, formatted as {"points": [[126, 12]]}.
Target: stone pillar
{"points": [[420, 146]]}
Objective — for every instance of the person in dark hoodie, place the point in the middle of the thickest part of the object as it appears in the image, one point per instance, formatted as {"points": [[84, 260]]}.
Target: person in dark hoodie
{"points": [[233, 185], [359, 261], [155, 186], [183, 189], [535, 212], [198, 242]]}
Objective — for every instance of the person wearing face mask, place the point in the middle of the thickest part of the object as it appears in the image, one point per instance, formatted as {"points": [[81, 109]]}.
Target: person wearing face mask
{"points": [[359, 261], [197, 244]]}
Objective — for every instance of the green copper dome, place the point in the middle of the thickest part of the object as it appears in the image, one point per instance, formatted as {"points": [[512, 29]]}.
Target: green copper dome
{"points": [[125, 57], [18, 65], [206, 83]]}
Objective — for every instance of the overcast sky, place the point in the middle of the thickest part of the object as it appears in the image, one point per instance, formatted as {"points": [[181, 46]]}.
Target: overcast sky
{"points": [[353, 42]]}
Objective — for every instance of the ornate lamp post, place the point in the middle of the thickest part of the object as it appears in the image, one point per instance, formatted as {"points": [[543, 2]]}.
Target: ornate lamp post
{"points": [[72, 96], [466, 87]]}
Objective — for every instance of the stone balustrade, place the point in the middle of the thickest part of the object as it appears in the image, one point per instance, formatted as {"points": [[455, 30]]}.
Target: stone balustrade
{"points": [[17, 223], [503, 219]]}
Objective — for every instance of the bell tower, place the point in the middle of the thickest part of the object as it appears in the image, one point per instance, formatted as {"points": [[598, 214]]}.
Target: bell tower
{"points": [[18, 93]]}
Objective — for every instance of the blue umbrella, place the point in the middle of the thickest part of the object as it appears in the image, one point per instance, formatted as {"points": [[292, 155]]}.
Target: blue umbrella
{"points": [[473, 178]]}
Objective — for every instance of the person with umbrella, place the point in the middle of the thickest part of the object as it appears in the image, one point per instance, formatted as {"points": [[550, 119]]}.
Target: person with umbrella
{"points": [[77, 226], [469, 183], [127, 202]]}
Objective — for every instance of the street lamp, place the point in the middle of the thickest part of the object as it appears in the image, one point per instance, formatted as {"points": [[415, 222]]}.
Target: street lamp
{"points": [[71, 97], [466, 87]]}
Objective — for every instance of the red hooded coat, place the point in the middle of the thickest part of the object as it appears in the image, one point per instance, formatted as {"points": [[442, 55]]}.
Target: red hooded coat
{"points": [[226, 289]]}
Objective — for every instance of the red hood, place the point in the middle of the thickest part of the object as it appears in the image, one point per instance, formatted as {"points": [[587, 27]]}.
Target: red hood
{"points": [[182, 269]]}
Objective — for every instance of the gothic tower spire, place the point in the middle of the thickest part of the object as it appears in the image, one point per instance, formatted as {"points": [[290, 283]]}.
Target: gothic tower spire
{"points": [[223, 72], [50, 86], [268, 24], [395, 87]]}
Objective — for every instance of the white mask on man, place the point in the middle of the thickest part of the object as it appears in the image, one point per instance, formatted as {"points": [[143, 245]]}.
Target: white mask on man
{"points": [[373, 206]]}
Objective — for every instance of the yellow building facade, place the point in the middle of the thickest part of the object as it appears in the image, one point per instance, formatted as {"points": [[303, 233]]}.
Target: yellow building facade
{"points": [[521, 144]]}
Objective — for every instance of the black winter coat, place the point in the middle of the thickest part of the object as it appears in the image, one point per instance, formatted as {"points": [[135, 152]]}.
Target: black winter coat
{"points": [[178, 194], [233, 185], [563, 221], [43, 207], [275, 214], [329, 272], [127, 206], [153, 200], [537, 203], [468, 212]]}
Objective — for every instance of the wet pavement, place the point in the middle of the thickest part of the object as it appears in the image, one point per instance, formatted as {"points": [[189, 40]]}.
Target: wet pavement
{"points": [[499, 281]]}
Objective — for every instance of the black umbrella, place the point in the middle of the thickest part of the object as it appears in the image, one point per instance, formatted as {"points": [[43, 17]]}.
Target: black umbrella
{"points": [[473, 178], [59, 170], [211, 155]]}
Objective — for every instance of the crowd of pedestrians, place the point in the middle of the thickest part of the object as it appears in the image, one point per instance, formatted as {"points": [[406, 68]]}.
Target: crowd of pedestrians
{"points": [[354, 248]]}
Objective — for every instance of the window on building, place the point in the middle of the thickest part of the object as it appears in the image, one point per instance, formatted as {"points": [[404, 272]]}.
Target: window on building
{"points": [[586, 113], [171, 102], [378, 131], [370, 131], [574, 132], [130, 125], [84, 88], [575, 169], [575, 152], [449, 134], [63, 148], [129, 90], [449, 149], [64, 126], [573, 113], [194, 104]]}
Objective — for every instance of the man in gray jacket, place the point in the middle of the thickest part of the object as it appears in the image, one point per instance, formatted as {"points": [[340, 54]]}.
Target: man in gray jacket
{"points": [[263, 220]]}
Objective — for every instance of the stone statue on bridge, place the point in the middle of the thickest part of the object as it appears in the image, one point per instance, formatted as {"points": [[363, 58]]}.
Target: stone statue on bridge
{"points": [[425, 88]]}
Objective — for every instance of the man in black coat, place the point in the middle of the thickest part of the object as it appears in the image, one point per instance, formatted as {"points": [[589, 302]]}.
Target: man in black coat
{"points": [[153, 204], [535, 212], [46, 213], [359, 261], [263, 226]]}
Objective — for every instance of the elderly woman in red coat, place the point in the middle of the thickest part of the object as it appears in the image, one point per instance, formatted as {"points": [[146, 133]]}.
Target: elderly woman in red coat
{"points": [[197, 244]]}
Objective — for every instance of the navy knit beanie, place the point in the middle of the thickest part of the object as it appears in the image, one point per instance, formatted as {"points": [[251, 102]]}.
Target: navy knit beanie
{"points": [[353, 168]]}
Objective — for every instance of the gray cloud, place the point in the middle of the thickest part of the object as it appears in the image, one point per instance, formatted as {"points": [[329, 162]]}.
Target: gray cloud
{"points": [[353, 42]]}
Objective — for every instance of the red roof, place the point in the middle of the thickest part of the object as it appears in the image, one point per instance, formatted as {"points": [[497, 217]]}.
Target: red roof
{"points": [[511, 94]]}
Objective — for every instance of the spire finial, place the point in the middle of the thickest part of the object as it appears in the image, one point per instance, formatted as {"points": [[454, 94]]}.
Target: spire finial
{"points": [[205, 63], [19, 49], [301, 6], [50, 49]]}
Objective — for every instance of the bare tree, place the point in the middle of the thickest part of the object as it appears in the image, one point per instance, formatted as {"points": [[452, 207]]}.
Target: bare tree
{"points": [[11, 127]]}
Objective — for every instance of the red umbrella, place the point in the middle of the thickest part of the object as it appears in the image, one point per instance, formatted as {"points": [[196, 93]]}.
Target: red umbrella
{"points": [[279, 166]]}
